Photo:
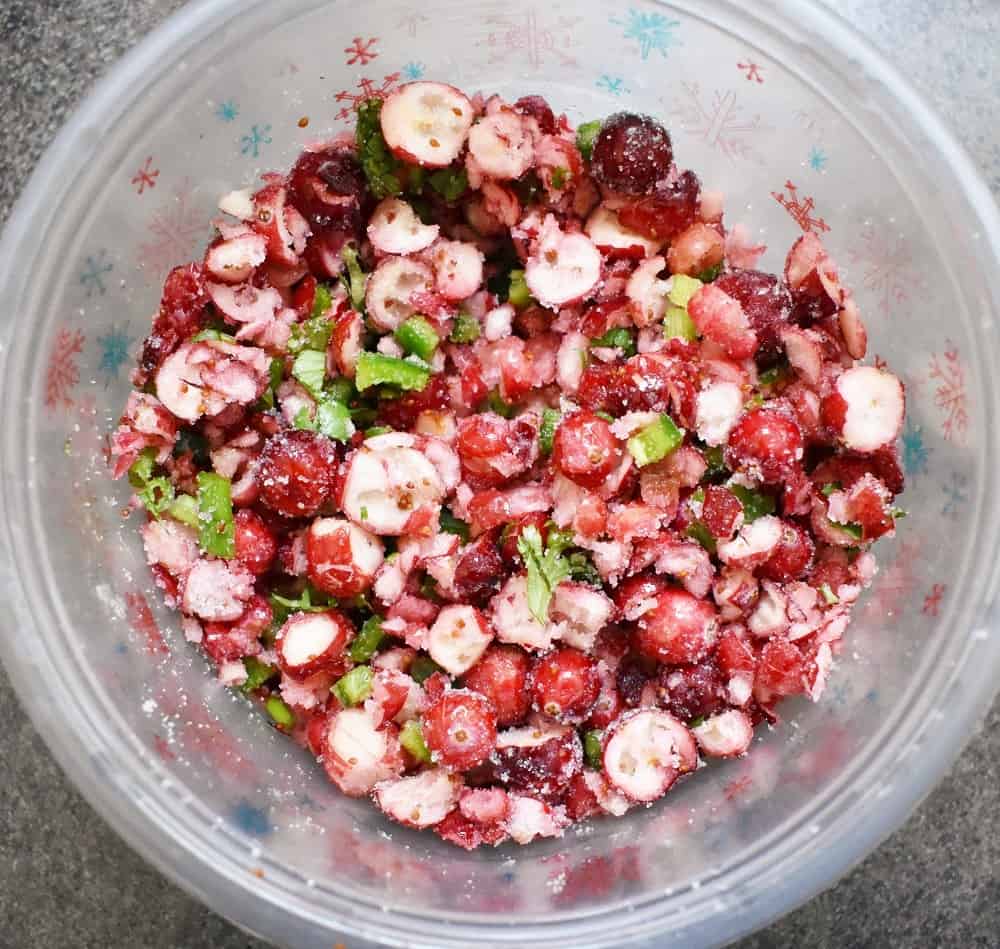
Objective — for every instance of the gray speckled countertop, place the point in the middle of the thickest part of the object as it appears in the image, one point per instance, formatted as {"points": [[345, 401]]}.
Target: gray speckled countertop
{"points": [[936, 882]]}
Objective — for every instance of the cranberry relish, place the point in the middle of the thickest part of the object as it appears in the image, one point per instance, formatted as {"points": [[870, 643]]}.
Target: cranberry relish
{"points": [[477, 450]]}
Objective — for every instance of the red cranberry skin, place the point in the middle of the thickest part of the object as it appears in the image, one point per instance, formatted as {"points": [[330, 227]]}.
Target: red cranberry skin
{"points": [[779, 668], [666, 213], [460, 729], [680, 629], [502, 676], [480, 569], [793, 556], [630, 680], [485, 440], [182, 314], [585, 449], [766, 441], [694, 691], [297, 473], [766, 301], [512, 533], [539, 110], [401, 414], [631, 153], [565, 684], [544, 771], [636, 592], [720, 511], [329, 188], [256, 545]]}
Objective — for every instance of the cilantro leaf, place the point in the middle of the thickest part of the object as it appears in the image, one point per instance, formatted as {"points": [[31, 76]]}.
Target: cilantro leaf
{"points": [[449, 183], [381, 167], [354, 279], [546, 570]]}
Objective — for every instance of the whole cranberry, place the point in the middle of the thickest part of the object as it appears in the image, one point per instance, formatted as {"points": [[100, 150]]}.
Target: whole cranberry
{"points": [[631, 153]]}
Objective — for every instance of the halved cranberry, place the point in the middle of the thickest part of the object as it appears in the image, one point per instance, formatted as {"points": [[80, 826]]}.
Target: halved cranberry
{"points": [[297, 472], [401, 414], [502, 676], [585, 449], [460, 729], [766, 301], [542, 770], [494, 449], [792, 557], [565, 684], [631, 153], [668, 211], [766, 442]]}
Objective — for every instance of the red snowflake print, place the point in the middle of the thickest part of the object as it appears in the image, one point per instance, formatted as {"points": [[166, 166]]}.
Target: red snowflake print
{"points": [[880, 363], [932, 602], [801, 210], [411, 19], [894, 583], [719, 121], [173, 231], [736, 787], [528, 36], [752, 70], [886, 267], [63, 372], [950, 394], [366, 90], [361, 51], [162, 747], [146, 176], [141, 619]]}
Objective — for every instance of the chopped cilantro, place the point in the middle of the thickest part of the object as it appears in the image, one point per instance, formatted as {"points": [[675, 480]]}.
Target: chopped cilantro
{"points": [[616, 338], [382, 169], [465, 329], [547, 568], [558, 178], [830, 487], [707, 276], [495, 403], [322, 300], [313, 333], [422, 668], [257, 673], [452, 525], [450, 183], [369, 638], [699, 532], [586, 135], [310, 370], [755, 503]]}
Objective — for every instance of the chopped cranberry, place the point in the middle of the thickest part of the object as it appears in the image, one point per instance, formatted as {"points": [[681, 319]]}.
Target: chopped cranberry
{"points": [[542, 770], [667, 212], [256, 545], [479, 572], [228, 642], [460, 729], [637, 595], [793, 556], [630, 679], [182, 314], [494, 449], [720, 511], [765, 442], [502, 676], [809, 308], [329, 187], [631, 153], [681, 628], [609, 705], [779, 669], [847, 469], [468, 834], [600, 317], [585, 449], [694, 691], [304, 296], [580, 801], [766, 301], [297, 472], [401, 414], [565, 684], [644, 383], [539, 110]]}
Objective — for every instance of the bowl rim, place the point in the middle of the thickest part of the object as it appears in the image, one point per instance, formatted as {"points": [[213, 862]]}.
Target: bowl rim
{"points": [[177, 851]]}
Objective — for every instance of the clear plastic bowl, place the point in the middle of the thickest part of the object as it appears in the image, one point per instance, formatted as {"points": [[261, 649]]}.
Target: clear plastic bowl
{"points": [[776, 103]]}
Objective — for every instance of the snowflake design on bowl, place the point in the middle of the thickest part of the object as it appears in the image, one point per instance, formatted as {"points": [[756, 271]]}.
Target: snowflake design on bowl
{"points": [[615, 85], [950, 394], [956, 494], [800, 209], [915, 451], [717, 120], [933, 600], [361, 51], [63, 371], [172, 230], [255, 139], [413, 71], [817, 158], [886, 267], [366, 90], [93, 273], [114, 347], [146, 176], [227, 111], [410, 19], [534, 37], [652, 31]]}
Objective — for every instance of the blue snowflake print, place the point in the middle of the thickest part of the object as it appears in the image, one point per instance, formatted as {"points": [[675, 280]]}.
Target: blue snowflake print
{"points": [[817, 158], [650, 30], [250, 144], [121, 649], [841, 692], [227, 111], [413, 71], [915, 452], [252, 820], [955, 494], [114, 352], [92, 275], [613, 84]]}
